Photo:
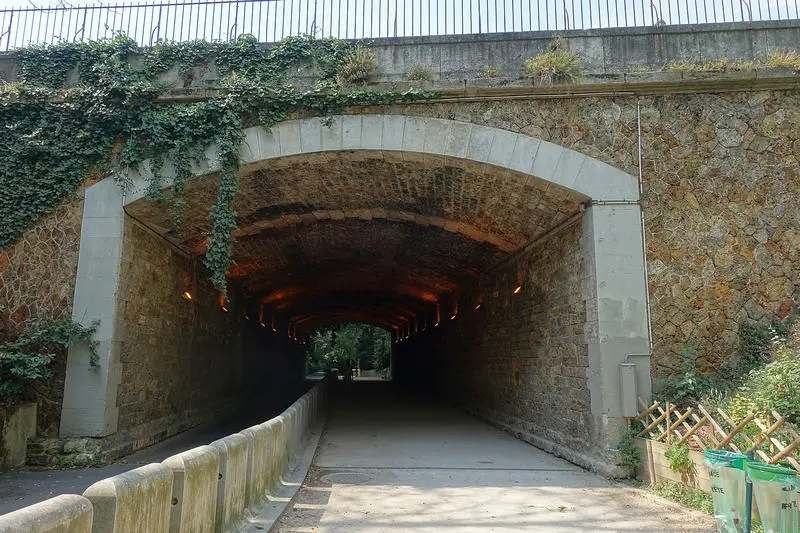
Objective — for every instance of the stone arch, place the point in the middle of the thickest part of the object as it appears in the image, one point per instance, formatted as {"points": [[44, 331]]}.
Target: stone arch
{"points": [[429, 137], [615, 330]]}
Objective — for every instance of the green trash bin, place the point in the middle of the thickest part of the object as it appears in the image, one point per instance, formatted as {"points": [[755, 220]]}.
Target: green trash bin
{"points": [[728, 488], [775, 490]]}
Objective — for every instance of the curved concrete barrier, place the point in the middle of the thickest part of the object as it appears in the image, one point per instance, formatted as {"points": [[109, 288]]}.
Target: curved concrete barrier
{"points": [[202, 490], [195, 474], [138, 501], [232, 482], [68, 513]]}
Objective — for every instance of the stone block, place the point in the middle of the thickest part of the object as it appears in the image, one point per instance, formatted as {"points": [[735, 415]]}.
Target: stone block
{"points": [[480, 143], [195, 476], [258, 464], [67, 513], [288, 134], [414, 134], [331, 134], [371, 132], [232, 483], [393, 131], [524, 154], [351, 132], [17, 425], [310, 135], [502, 147], [138, 500]]}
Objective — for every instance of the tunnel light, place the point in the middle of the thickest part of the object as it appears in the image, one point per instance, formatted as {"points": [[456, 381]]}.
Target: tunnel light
{"points": [[518, 289], [453, 317], [477, 306], [262, 324], [224, 309], [187, 296]]}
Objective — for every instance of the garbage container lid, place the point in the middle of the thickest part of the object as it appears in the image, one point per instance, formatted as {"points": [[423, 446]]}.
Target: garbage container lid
{"points": [[768, 472], [722, 458]]}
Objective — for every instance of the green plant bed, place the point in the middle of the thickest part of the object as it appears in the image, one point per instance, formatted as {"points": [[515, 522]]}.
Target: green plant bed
{"points": [[688, 497]]}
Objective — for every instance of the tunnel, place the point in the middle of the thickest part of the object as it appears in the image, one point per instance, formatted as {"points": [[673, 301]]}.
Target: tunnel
{"points": [[508, 270]]}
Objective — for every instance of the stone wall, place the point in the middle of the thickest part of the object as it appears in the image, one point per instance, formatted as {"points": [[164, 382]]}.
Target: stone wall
{"points": [[181, 360], [37, 273], [520, 360], [721, 188], [37, 282]]}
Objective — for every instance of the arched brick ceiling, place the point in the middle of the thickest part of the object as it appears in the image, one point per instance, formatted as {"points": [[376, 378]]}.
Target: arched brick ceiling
{"points": [[368, 236]]}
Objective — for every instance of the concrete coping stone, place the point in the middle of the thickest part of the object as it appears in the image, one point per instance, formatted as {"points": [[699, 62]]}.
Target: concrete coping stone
{"points": [[232, 484], [67, 513], [194, 490], [137, 500]]}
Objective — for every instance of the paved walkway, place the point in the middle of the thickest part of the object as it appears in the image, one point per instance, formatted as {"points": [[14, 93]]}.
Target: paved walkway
{"points": [[390, 462]]}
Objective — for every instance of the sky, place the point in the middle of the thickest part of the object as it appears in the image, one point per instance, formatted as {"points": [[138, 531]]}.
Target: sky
{"points": [[269, 20]]}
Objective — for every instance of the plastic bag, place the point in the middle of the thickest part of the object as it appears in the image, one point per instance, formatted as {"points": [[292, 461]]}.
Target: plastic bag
{"points": [[728, 489], [775, 490]]}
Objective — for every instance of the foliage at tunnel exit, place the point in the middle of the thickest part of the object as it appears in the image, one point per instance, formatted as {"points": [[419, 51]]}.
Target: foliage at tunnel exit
{"points": [[109, 120], [28, 359], [363, 345]]}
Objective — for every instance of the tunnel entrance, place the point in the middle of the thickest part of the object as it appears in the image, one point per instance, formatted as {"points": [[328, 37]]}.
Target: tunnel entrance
{"points": [[508, 270]]}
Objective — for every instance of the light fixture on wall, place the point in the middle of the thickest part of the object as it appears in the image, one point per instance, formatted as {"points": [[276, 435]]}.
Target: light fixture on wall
{"points": [[186, 283], [261, 316], [455, 306], [272, 323], [222, 303], [518, 280], [438, 314]]}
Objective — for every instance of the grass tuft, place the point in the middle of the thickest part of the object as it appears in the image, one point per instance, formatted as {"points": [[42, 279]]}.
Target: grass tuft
{"points": [[419, 73], [557, 64], [358, 68]]}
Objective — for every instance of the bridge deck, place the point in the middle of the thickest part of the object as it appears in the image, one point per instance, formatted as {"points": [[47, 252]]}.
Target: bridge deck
{"points": [[390, 461]]}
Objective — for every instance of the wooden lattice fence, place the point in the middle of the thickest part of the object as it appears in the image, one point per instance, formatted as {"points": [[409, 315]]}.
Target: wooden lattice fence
{"points": [[768, 435]]}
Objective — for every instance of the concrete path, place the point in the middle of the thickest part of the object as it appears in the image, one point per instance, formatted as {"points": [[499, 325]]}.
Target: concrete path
{"points": [[391, 462]]}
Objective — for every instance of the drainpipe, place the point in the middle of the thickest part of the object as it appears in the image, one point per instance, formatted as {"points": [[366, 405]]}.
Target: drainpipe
{"points": [[644, 236]]}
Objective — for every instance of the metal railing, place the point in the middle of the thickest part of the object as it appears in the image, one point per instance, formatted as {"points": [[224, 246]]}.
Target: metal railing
{"points": [[271, 20]]}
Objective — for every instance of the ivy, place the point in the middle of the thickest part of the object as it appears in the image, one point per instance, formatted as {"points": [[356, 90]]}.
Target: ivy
{"points": [[90, 109], [28, 358]]}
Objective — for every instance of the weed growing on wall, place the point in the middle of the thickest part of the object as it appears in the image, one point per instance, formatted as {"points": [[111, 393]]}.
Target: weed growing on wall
{"points": [[84, 110], [627, 452], [558, 63], [679, 459], [28, 358]]}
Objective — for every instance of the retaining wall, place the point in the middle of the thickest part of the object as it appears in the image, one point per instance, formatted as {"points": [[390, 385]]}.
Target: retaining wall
{"points": [[205, 489]]}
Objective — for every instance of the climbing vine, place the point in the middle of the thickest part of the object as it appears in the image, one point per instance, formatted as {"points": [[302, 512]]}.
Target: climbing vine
{"points": [[80, 110], [28, 359]]}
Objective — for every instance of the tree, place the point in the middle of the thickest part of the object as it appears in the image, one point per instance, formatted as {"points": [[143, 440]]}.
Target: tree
{"points": [[367, 345]]}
